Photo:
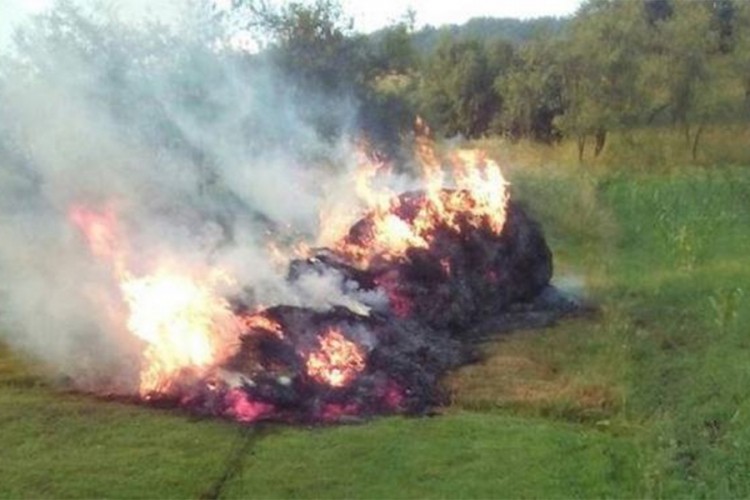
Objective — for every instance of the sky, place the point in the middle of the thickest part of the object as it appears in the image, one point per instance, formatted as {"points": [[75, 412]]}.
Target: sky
{"points": [[368, 15], [374, 14]]}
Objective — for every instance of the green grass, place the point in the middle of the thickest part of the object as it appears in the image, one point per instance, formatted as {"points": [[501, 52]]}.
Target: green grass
{"points": [[673, 285], [646, 398], [462, 454], [57, 445]]}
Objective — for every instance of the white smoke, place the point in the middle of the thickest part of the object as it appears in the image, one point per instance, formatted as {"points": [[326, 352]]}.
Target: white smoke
{"points": [[204, 153]]}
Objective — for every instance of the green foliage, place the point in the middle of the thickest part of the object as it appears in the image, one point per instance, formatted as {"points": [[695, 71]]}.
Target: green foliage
{"points": [[531, 91], [313, 44], [690, 357], [600, 71], [456, 89], [396, 49], [313, 47], [616, 66], [631, 64], [488, 30]]}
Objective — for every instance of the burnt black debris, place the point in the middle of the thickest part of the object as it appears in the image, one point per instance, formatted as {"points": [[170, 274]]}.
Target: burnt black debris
{"points": [[403, 361]]}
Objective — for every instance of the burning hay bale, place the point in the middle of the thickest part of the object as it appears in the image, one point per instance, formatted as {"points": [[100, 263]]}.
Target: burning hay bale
{"points": [[316, 366], [443, 259], [327, 365], [463, 275]]}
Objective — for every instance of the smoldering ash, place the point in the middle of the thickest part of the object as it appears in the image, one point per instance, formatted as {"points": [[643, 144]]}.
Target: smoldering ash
{"points": [[174, 230]]}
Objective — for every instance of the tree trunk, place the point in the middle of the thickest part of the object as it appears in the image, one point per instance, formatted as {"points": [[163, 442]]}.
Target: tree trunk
{"points": [[695, 141], [655, 112], [601, 139], [581, 146]]}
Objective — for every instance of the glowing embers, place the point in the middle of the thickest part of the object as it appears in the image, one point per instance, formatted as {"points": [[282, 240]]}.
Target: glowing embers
{"points": [[243, 409], [337, 362]]}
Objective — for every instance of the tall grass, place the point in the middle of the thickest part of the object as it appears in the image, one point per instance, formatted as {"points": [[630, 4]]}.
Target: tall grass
{"points": [[665, 255], [654, 149]]}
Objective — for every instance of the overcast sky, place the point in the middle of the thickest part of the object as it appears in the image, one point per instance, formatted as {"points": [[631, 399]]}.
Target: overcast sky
{"points": [[373, 14], [368, 14]]}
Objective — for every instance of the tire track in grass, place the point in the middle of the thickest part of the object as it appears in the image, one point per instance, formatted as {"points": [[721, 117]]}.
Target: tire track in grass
{"points": [[235, 460]]}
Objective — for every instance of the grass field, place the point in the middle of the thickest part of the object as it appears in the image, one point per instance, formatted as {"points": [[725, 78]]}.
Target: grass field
{"points": [[648, 397]]}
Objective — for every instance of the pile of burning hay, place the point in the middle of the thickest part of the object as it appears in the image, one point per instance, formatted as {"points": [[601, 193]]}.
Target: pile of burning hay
{"points": [[298, 363], [445, 258]]}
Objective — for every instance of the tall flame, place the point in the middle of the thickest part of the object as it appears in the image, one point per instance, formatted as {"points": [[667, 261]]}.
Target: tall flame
{"points": [[472, 192], [185, 324]]}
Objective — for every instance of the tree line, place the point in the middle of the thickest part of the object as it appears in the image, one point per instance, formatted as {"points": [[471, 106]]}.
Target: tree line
{"points": [[616, 65]]}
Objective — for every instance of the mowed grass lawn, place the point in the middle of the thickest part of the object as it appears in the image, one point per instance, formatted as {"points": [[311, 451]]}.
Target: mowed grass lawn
{"points": [[650, 396]]}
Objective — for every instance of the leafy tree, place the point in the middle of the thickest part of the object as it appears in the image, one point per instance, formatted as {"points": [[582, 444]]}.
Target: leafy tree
{"points": [[456, 90], [741, 53], [531, 89], [311, 43], [722, 23], [486, 29], [600, 71], [390, 107], [657, 11], [694, 79], [396, 50], [500, 55]]}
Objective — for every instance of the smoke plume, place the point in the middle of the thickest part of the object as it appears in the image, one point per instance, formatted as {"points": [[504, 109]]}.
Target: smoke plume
{"points": [[204, 154]]}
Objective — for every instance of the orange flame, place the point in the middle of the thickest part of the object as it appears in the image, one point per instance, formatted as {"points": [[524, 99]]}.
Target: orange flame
{"points": [[473, 193], [101, 232], [185, 323], [258, 321], [188, 327], [337, 361]]}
